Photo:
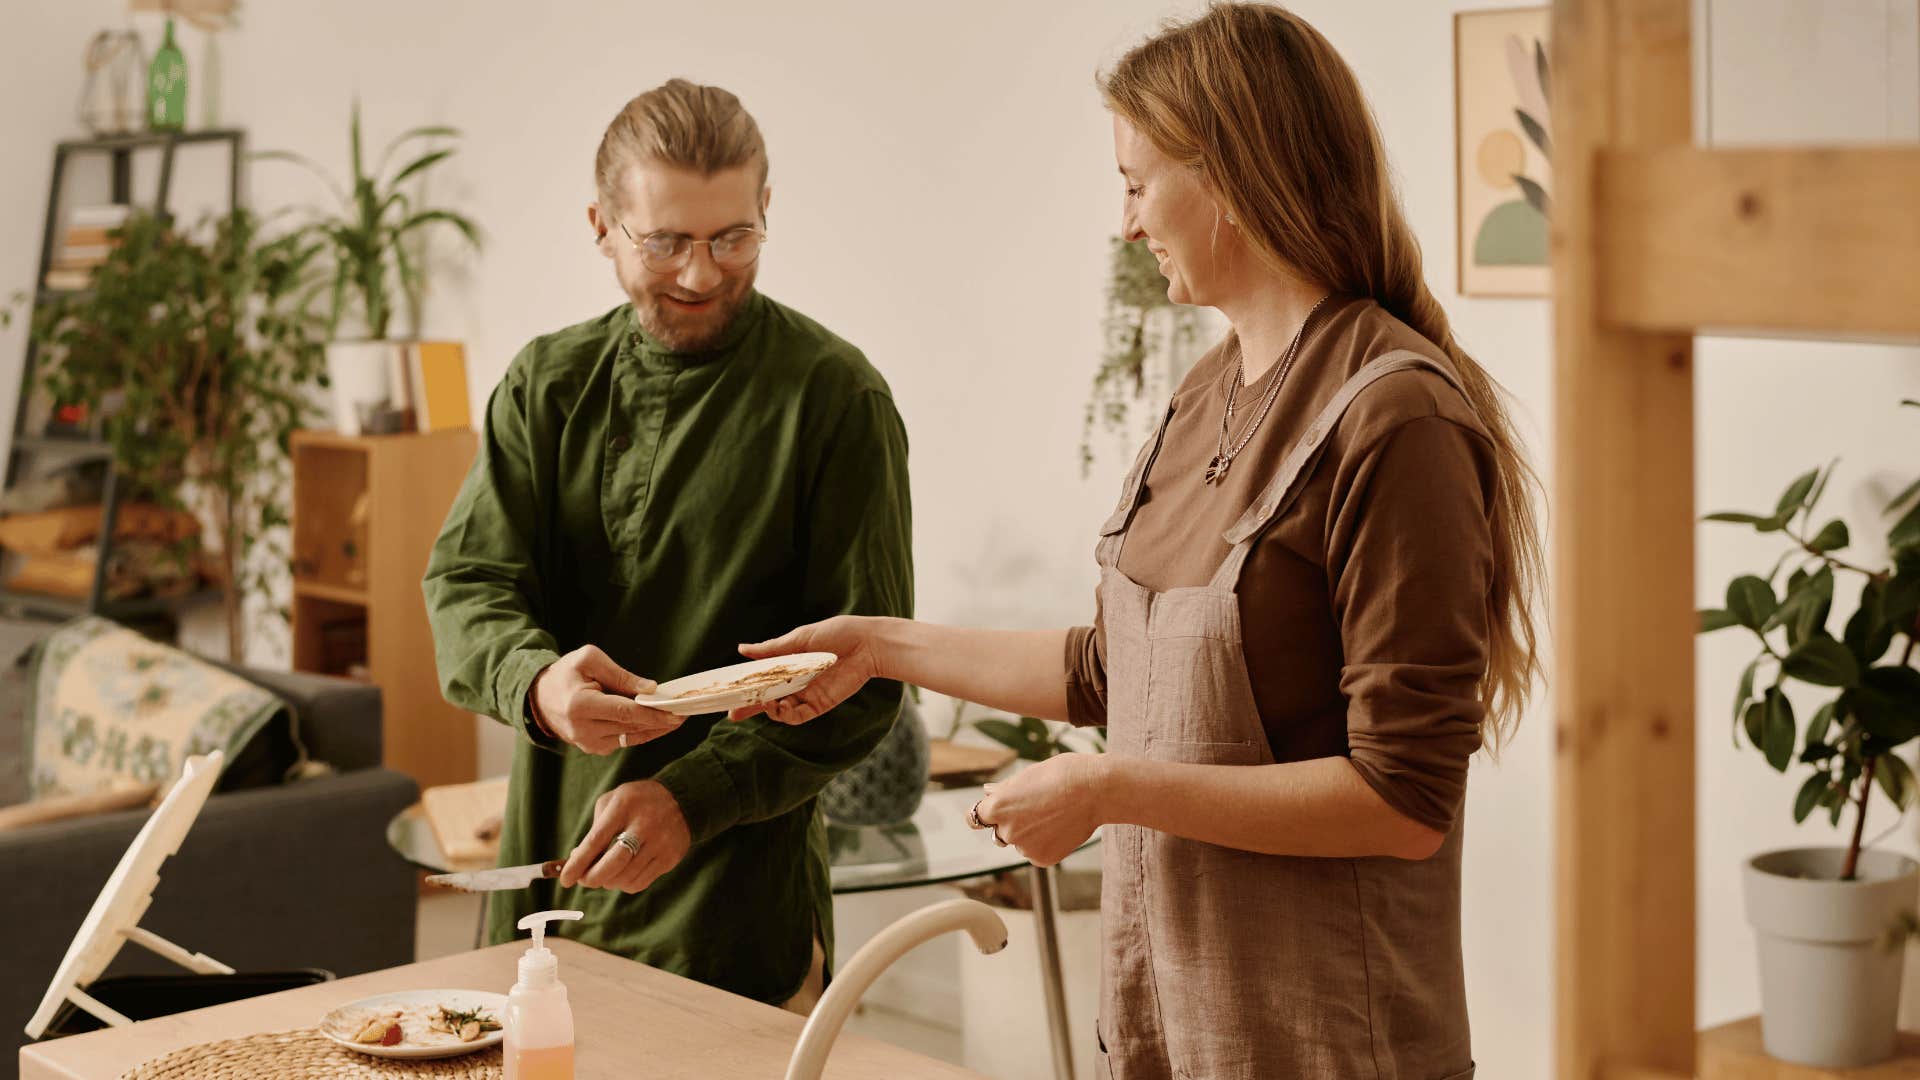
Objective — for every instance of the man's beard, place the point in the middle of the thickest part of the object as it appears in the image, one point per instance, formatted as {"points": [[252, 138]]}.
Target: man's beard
{"points": [[694, 332]]}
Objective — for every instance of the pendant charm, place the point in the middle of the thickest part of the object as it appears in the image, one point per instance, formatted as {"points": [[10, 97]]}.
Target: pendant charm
{"points": [[1217, 469]]}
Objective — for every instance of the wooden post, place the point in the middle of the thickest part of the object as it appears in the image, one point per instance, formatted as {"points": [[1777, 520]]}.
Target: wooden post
{"points": [[1622, 519]]}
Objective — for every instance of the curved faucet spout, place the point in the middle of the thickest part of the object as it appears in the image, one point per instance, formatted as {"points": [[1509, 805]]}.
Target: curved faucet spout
{"points": [[977, 919]]}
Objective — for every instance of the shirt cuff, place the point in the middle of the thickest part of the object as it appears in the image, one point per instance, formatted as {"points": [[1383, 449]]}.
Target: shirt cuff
{"points": [[704, 791], [511, 695], [1086, 704]]}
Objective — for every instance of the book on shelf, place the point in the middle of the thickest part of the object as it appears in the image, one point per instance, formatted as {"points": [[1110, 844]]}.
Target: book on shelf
{"points": [[437, 385]]}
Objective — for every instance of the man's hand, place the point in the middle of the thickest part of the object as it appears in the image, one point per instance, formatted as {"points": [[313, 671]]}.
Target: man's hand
{"points": [[644, 810], [586, 700]]}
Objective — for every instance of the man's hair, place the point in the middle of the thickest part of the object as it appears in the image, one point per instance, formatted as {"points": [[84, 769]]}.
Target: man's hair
{"points": [[682, 124]]}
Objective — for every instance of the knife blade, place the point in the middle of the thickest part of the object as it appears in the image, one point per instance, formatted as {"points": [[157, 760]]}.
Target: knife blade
{"points": [[499, 878]]}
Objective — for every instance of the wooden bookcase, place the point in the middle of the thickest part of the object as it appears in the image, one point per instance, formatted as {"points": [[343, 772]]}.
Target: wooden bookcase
{"points": [[366, 510], [1655, 239]]}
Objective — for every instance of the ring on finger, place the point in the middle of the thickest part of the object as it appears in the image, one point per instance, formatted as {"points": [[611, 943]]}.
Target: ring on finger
{"points": [[629, 842], [623, 740], [973, 815]]}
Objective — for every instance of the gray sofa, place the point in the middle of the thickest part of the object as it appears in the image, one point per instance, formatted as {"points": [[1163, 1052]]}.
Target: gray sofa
{"points": [[270, 879]]}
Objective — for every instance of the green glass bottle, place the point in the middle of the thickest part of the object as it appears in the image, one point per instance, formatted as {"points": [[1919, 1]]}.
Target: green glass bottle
{"points": [[167, 86]]}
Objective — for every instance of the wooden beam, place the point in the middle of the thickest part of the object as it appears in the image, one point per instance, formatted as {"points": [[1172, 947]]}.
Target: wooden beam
{"points": [[1796, 240], [1623, 575]]}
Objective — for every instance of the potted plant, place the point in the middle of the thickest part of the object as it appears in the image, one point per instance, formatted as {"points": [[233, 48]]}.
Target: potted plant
{"points": [[1149, 343], [199, 351], [369, 241], [1831, 922]]}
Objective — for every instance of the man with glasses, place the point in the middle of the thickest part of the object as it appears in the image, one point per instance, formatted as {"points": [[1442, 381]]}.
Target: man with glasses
{"points": [[696, 468]]}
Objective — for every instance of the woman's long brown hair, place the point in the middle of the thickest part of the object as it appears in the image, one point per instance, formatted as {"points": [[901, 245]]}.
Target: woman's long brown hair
{"points": [[1263, 107]]}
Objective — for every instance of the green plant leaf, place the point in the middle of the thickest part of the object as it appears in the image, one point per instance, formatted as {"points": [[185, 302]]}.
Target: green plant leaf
{"points": [[1744, 695], [1804, 611], [1795, 497], [1887, 701], [1029, 738], [1868, 634], [1817, 726], [1905, 532], [1817, 752], [1755, 721], [1751, 601], [1735, 517], [1822, 661], [426, 217], [1778, 732], [1831, 537], [1809, 797], [1900, 595], [1820, 486], [1712, 619], [1895, 778], [1904, 497], [419, 165]]}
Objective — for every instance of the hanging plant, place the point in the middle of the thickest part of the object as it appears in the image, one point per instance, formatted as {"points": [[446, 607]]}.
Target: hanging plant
{"points": [[1135, 339]]}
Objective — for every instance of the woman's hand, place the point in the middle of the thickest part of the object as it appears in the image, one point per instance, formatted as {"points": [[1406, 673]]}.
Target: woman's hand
{"points": [[853, 638], [1049, 809]]}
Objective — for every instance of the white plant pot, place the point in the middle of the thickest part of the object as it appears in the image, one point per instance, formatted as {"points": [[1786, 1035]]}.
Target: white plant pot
{"points": [[1829, 986], [369, 379], [1004, 1010]]}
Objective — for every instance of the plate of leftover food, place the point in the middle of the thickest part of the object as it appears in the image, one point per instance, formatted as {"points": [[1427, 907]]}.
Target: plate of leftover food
{"points": [[419, 1024], [728, 688]]}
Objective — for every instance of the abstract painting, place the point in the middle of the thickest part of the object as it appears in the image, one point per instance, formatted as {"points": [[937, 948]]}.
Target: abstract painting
{"points": [[1501, 126]]}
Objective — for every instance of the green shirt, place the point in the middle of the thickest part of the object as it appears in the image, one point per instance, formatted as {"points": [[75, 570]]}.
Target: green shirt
{"points": [[668, 507]]}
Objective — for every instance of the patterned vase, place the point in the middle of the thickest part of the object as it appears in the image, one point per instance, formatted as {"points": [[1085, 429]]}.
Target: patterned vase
{"points": [[167, 86], [885, 788]]}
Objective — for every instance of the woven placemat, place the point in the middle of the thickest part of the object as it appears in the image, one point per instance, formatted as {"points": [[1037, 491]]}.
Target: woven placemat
{"points": [[299, 1055]]}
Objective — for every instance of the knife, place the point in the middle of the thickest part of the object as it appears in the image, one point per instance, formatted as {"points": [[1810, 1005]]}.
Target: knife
{"points": [[495, 880]]}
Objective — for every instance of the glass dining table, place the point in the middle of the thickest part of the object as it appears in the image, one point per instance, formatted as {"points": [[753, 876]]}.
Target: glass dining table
{"points": [[934, 847]]}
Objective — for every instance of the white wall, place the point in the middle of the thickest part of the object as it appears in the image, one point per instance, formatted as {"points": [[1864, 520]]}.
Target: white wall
{"points": [[944, 191]]}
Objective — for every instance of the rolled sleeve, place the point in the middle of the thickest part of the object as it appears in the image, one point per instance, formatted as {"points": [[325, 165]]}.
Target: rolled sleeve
{"points": [[1086, 666], [1411, 561]]}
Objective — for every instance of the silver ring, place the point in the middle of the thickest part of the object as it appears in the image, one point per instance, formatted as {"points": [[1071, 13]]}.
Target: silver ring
{"points": [[623, 740], [630, 842], [995, 829], [973, 815]]}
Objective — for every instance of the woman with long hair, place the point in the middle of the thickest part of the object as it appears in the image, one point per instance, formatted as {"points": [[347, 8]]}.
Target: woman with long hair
{"points": [[1314, 605]]}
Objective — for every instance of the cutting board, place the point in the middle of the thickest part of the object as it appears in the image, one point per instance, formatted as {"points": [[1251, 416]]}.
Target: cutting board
{"points": [[952, 764], [456, 811]]}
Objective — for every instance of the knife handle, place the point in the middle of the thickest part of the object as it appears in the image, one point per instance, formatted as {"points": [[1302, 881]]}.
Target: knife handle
{"points": [[551, 869]]}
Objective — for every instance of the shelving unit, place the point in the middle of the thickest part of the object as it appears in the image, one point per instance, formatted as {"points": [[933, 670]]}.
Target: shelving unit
{"points": [[366, 510], [1654, 240], [39, 450]]}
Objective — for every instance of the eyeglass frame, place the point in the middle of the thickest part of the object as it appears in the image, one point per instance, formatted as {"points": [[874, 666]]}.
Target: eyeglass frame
{"points": [[686, 255]]}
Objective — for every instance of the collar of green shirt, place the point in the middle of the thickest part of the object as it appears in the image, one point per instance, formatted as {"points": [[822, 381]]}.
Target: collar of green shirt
{"points": [[743, 324]]}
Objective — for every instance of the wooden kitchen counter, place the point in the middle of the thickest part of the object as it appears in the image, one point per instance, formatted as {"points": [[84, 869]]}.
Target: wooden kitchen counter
{"points": [[630, 1021]]}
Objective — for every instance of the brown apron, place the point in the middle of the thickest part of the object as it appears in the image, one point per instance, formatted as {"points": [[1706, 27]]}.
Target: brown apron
{"points": [[1222, 963]]}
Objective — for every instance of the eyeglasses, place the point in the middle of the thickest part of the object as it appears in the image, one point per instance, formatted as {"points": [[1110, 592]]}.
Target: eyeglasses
{"points": [[666, 252]]}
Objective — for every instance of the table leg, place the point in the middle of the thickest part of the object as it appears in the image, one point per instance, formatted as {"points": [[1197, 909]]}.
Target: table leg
{"points": [[1050, 977]]}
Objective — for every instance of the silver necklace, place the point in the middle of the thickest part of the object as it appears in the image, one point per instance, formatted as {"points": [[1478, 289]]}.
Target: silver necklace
{"points": [[1223, 457]]}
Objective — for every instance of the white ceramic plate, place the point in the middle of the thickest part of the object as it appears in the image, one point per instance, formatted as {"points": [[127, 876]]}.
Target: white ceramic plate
{"points": [[416, 1008], [751, 683]]}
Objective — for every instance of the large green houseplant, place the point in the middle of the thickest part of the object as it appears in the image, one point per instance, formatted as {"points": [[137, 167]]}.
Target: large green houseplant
{"points": [[370, 239], [1830, 920], [199, 349]]}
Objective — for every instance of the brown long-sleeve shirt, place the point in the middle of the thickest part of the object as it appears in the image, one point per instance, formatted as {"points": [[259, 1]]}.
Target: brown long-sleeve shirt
{"points": [[1364, 607]]}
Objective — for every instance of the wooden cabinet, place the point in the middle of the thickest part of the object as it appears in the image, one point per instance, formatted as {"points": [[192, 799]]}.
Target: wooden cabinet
{"points": [[366, 510]]}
